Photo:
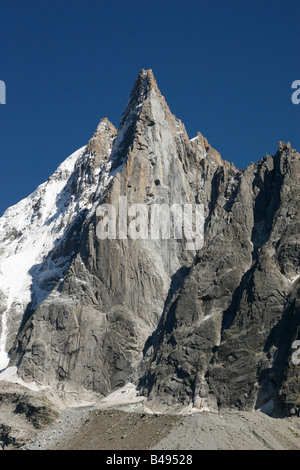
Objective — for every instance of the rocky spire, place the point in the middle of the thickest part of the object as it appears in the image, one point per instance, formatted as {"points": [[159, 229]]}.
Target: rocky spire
{"points": [[208, 328], [146, 104], [101, 142]]}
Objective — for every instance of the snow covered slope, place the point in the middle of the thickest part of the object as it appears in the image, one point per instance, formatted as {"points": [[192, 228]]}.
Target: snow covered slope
{"points": [[35, 227]]}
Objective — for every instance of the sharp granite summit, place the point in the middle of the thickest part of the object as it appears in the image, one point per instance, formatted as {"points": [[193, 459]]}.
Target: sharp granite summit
{"points": [[205, 329]]}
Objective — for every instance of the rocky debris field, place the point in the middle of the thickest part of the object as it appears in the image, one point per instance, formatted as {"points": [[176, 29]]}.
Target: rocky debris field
{"points": [[89, 429], [233, 430], [23, 413], [30, 421]]}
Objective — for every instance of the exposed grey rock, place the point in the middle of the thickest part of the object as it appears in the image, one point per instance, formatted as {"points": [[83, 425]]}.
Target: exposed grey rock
{"points": [[206, 328], [242, 283], [91, 330]]}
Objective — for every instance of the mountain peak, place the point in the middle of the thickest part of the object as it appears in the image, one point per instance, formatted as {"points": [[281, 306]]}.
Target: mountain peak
{"points": [[144, 83], [144, 90], [193, 327], [102, 137], [284, 145], [146, 73], [147, 77]]}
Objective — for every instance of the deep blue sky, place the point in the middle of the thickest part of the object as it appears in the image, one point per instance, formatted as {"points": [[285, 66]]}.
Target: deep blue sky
{"points": [[225, 67]]}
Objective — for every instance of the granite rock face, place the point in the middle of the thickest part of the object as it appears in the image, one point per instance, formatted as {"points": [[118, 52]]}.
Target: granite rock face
{"points": [[90, 332], [209, 327], [227, 338]]}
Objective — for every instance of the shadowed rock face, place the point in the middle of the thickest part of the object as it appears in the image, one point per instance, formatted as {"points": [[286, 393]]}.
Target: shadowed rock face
{"points": [[207, 328]]}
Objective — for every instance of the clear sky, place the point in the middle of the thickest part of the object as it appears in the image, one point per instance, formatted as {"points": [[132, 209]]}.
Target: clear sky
{"points": [[225, 68]]}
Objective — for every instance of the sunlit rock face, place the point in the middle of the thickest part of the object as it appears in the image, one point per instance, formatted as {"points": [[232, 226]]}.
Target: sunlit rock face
{"points": [[205, 328]]}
